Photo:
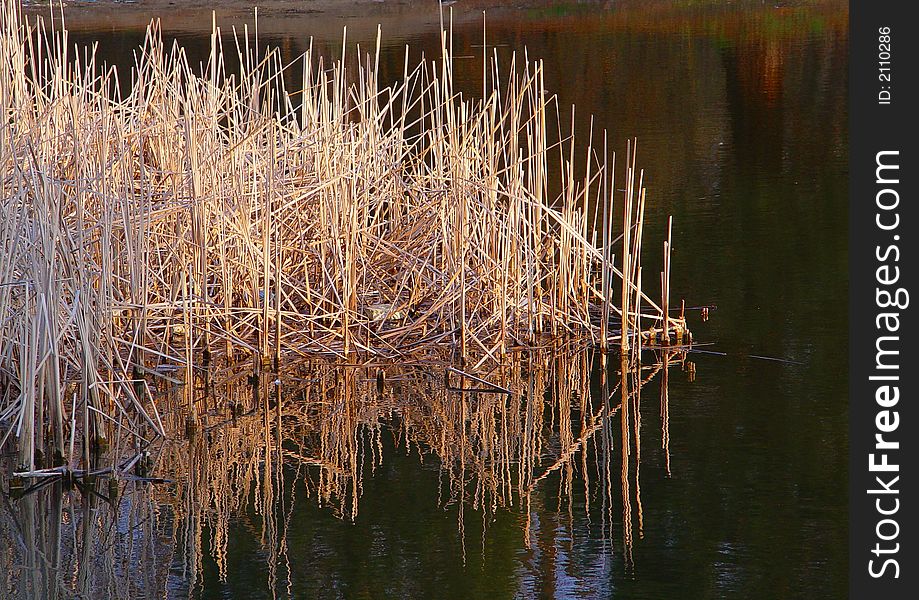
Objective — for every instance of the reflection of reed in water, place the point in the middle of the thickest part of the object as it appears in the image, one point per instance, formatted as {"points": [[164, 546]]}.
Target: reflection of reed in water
{"points": [[91, 540], [248, 456]]}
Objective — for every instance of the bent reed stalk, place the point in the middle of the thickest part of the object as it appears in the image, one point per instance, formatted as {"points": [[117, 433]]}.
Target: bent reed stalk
{"points": [[212, 216]]}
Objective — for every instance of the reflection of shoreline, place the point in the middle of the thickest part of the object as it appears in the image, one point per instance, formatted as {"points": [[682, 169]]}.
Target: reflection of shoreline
{"points": [[402, 19], [495, 451]]}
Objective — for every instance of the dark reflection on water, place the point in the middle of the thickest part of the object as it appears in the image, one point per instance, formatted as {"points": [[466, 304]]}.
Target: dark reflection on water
{"points": [[741, 118]]}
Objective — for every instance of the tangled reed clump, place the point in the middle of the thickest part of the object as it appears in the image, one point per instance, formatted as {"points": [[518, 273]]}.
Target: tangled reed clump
{"points": [[204, 217]]}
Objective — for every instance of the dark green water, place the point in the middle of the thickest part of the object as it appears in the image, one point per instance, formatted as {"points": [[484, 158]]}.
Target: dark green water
{"points": [[741, 117]]}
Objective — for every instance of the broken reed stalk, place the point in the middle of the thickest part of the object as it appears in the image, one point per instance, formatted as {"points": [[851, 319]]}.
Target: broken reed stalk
{"points": [[665, 285], [221, 213]]}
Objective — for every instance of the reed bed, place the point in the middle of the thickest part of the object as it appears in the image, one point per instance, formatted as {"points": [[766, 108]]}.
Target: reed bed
{"points": [[205, 217]]}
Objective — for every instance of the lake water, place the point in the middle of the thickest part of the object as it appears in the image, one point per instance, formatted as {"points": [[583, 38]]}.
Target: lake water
{"points": [[741, 118]]}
